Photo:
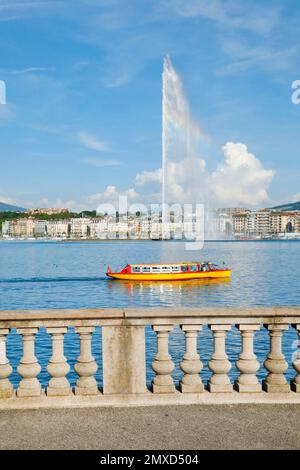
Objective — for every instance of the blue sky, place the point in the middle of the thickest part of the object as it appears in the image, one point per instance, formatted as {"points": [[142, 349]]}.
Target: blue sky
{"points": [[83, 78]]}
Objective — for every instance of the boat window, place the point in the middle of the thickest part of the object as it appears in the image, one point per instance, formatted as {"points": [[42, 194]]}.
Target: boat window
{"points": [[176, 268], [155, 269], [166, 268], [184, 269], [136, 269], [146, 269], [194, 268]]}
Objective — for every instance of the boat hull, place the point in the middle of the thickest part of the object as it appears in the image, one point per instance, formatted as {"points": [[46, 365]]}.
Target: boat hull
{"points": [[225, 273]]}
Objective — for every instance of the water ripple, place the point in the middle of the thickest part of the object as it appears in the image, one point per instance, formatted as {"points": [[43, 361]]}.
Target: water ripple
{"points": [[50, 279]]}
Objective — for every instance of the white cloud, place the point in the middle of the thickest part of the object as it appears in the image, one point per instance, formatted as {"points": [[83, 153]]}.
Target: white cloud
{"points": [[25, 5], [58, 203], [113, 80], [295, 197], [69, 204], [182, 185], [13, 10], [241, 179], [244, 56], [44, 202], [185, 181], [100, 163], [146, 177], [9, 200], [32, 70], [234, 14], [92, 142], [111, 195]]}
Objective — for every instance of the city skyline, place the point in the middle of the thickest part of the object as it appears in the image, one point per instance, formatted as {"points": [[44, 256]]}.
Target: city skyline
{"points": [[82, 122], [225, 223]]}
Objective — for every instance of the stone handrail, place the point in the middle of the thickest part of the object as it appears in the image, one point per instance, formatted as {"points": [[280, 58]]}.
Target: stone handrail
{"points": [[124, 352]]}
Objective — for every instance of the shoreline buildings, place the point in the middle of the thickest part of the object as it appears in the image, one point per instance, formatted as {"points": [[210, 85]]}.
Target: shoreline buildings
{"points": [[264, 223], [229, 223]]}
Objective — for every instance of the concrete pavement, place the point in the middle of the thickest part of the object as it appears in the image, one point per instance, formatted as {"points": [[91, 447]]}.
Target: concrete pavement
{"points": [[239, 426]]}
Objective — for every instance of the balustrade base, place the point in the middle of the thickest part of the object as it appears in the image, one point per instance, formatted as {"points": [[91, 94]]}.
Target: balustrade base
{"points": [[276, 388], [196, 388], [86, 391], [163, 388], [220, 388], [6, 392], [148, 399], [28, 393], [58, 392], [247, 388]]}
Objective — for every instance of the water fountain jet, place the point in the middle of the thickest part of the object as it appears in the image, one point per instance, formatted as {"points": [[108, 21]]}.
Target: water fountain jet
{"points": [[184, 180]]}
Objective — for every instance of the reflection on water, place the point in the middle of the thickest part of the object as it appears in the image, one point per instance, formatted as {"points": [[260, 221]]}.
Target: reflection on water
{"points": [[71, 275], [165, 289]]}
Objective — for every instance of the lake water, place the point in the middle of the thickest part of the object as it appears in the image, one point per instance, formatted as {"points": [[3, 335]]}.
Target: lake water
{"points": [[72, 275]]}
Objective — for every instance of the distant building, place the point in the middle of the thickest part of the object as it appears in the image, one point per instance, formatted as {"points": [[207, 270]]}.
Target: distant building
{"points": [[40, 228], [228, 221], [57, 228], [47, 211], [265, 222], [20, 228], [80, 228], [240, 223], [5, 228]]}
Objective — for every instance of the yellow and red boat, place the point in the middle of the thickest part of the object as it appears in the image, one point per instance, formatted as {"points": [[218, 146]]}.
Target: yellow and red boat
{"points": [[170, 272]]}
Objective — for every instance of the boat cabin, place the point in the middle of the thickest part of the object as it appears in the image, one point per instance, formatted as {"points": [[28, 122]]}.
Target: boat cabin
{"points": [[168, 268]]}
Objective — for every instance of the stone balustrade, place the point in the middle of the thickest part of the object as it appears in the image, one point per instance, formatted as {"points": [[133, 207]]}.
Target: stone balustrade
{"points": [[124, 355]]}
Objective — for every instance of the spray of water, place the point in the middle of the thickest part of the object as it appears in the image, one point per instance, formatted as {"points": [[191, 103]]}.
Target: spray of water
{"points": [[184, 180]]}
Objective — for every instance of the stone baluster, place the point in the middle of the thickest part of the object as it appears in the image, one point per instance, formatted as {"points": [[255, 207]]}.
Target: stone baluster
{"points": [[58, 367], [86, 366], [276, 364], [6, 388], [219, 363], [163, 365], [29, 367], [247, 363], [296, 364], [191, 364]]}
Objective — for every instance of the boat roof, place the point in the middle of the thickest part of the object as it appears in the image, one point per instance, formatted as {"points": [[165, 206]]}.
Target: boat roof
{"points": [[191, 263]]}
